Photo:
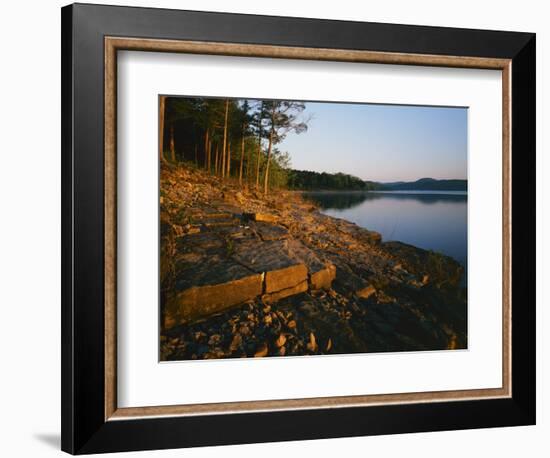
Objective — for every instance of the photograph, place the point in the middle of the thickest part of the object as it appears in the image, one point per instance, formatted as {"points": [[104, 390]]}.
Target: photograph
{"points": [[294, 228]]}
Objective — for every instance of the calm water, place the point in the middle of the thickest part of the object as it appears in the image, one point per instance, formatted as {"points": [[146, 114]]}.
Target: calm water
{"points": [[430, 220]]}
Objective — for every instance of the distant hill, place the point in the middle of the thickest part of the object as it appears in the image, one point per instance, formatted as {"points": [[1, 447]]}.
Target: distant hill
{"points": [[315, 181], [426, 184]]}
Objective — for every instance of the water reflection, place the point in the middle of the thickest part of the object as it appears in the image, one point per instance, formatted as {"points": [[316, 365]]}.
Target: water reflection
{"points": [[433, 221], [342, 200]]}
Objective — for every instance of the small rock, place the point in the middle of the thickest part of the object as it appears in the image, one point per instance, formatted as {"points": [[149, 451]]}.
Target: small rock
{"points": [[367, 292], [215, 339], [240, 198], [244, 330], [236, 342], [178, 230], [415, 283], [200, 336], [261, 351], [312, 345], [280, 341]]}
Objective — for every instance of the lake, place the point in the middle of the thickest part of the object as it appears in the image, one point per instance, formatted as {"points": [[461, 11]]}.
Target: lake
{"points": [[430, 220]]}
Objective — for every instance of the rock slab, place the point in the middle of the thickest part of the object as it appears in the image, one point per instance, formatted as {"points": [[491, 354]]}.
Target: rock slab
{"points": [[200, 301]]}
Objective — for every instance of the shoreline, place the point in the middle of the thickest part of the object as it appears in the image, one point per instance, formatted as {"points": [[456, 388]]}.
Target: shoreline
{"points": [[346, 212], [355, 293]]}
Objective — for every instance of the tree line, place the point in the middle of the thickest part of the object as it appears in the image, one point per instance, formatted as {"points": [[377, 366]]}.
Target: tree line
{"points": [[308, 180], [230, 138]]}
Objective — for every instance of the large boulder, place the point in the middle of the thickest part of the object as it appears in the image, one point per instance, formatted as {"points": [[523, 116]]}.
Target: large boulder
{"points": [[321, 273], [288, 277], [273, 297], [208, 286], [272, 259], [322, 279]]}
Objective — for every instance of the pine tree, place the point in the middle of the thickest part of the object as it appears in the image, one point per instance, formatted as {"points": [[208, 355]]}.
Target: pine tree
{"points": [[283, 117]]}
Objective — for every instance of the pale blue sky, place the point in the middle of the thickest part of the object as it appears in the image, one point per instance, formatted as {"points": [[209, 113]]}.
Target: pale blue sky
{"points": [[382, 142]]}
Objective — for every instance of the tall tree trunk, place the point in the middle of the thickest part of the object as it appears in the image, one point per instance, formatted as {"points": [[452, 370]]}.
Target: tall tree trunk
{"points": [[259, 147], [242, 159], [162, 110], [225, 136], [248, 165], [266, 175], [206, 149], [228, 159], [216, 162], [196, 156], [258, 163], [222, 162], [172, 143], [210, 156]]}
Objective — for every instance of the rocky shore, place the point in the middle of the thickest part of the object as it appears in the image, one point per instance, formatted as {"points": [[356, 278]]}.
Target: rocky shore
{"points": [[243, 275]]}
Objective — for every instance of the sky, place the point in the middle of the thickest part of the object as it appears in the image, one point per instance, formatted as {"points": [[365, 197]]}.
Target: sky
{"points": [[382, 142]]}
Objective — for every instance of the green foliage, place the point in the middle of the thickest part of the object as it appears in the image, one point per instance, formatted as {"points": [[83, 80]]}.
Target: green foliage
{"points": [[308, 180], [283, 117], [279, 169]]}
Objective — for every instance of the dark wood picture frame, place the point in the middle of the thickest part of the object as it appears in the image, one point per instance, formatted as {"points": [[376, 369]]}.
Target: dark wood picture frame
{"points": [[91, 36]]}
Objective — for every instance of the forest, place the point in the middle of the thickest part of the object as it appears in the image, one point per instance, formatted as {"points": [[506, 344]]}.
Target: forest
{"points": [[308, 180], [231, 138]]}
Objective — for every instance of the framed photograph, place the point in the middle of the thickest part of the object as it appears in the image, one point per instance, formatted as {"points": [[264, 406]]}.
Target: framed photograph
{"points": [[281, 228]]}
